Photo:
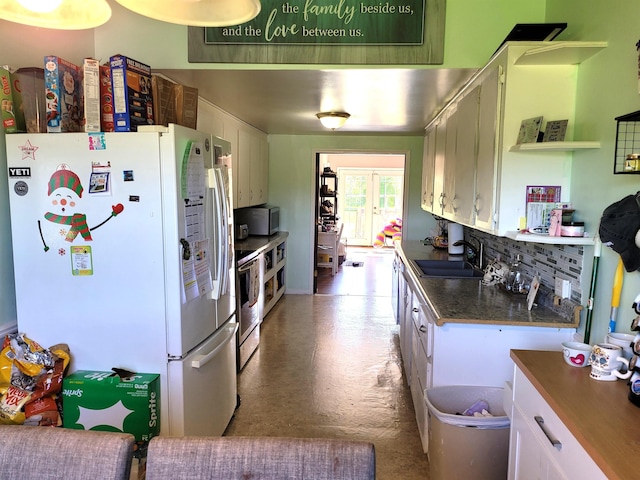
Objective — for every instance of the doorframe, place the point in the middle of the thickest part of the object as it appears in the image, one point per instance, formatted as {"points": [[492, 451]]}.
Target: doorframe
{"points": [[315, 186]]}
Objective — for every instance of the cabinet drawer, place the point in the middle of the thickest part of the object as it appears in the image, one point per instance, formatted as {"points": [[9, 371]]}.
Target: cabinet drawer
{"points": [[546, 426], [419, 358]]}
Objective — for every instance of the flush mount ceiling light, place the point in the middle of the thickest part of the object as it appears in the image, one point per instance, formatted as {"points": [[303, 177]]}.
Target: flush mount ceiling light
{"points": [[333, 120], [56, 14], [196, 13]]}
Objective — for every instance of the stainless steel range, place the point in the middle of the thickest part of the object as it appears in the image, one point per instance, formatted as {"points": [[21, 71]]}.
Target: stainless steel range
{"points": [[250, 270]]}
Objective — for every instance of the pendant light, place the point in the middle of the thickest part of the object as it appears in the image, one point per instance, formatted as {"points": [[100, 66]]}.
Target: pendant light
{"points": [[333, 120], [196, 13], [56, 14]]}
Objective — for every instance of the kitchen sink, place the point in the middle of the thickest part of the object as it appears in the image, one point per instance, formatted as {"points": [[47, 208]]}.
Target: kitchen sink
{"points": [[446, 269]]}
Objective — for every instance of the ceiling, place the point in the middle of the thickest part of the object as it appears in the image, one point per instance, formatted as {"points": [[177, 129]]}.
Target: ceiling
{"points": [[380, 101]]}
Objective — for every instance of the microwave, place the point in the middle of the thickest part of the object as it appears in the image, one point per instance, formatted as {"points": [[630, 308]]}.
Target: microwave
{"points": [[261, 220]]}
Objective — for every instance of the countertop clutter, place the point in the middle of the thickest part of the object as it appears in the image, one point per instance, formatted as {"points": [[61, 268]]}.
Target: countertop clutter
{"points": [[598, 414], [468, 301]]}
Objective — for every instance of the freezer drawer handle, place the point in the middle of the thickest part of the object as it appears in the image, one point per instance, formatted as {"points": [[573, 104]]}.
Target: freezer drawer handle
{"points": [[202, 360]]}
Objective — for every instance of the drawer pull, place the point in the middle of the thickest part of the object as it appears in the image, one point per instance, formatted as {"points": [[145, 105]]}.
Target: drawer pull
{"points": [[422, 329], [540, 421]]}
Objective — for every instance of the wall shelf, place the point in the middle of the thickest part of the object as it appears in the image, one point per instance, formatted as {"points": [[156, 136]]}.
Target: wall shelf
{"points": [[560, 53], [535, 238], [553, 146]]}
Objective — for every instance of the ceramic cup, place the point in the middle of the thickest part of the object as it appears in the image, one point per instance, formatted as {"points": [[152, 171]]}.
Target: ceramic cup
{"points": [[604, 359], [576, 354], [623, 340]]}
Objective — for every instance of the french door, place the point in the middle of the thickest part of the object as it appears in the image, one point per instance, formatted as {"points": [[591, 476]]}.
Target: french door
{"points": [[369, 200]]}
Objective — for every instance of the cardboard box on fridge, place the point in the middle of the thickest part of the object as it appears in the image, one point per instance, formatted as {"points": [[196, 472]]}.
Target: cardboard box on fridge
{"points": [[103, 401], [164, 107], [186, 100], [11, 101], [63, 95], [106, 99], [132, 96]]}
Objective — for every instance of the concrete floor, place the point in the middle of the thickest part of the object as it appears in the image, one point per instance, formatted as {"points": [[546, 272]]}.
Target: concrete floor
{"points": [[329, 366]]}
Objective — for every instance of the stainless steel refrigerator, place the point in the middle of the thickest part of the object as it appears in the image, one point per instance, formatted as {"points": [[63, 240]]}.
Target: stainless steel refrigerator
{"points": [[123, 249]]}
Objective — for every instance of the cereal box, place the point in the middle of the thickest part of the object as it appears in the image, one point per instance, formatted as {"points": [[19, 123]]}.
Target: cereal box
{"points": [[91, 86], [106, 99], [63, 95], [132, 96], [186, 99], [11, 102], [33, 101], [104, 401]]}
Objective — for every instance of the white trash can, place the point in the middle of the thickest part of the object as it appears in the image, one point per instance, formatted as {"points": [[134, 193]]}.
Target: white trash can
{"points": [[462, 446]]}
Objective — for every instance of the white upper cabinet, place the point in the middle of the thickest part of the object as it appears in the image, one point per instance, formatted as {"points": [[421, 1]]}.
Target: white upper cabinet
{"points": [[480, 174]]}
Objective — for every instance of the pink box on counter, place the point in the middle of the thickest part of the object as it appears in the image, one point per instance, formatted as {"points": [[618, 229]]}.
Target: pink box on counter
{"points": [[132, 96], [63, 95]]}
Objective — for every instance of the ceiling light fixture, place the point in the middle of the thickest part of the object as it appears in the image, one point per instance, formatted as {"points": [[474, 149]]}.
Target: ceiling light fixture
{"points": [[56, 14], [333, 120], [196, 13]]}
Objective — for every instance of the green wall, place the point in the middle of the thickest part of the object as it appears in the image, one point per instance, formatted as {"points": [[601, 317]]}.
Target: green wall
{"points": [[607, 88], [292, 187]]}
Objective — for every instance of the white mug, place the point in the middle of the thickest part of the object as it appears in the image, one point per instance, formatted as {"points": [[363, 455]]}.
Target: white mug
{"points": [[625, 375], [604, 359]]}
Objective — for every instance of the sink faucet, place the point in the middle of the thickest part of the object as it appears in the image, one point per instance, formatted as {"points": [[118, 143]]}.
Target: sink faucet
{"points": [[477, 256]]}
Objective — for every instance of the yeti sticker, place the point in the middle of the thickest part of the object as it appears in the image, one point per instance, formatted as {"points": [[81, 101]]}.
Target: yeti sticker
{"points": [[64, 216]]}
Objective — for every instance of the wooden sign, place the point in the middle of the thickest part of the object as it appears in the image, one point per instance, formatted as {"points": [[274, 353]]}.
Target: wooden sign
{"points": [[356, 32], [338, 22]]}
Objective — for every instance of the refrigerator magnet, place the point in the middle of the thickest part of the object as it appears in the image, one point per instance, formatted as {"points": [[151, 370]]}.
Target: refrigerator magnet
{"points": [[81, 260]]}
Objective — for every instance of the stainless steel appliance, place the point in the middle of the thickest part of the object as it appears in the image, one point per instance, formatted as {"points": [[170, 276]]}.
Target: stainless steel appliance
{"points": [[250, 299], [261, 220]]}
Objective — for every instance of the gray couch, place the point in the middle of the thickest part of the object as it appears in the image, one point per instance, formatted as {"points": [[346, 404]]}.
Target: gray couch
{"points": [[259, 458], [47, 453]]}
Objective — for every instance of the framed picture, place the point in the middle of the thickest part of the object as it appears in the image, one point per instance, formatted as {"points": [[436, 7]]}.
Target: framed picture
{"points": [[529, 130], [555, 130]]}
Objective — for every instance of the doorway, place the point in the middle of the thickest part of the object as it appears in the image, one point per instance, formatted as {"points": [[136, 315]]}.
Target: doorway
{"points": [[370, 200], [369, 194]]}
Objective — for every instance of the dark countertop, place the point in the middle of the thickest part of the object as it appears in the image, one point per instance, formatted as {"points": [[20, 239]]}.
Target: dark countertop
{"points": [[598, 414], [468, 301], [253, 245]]}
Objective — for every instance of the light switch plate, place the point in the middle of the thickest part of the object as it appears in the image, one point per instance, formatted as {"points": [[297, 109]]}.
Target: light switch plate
{"points": [[562, 288]]}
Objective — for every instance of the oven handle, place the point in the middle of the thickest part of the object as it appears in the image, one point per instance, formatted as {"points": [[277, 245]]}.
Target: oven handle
{"points": [[246, 266], [202, 360]]}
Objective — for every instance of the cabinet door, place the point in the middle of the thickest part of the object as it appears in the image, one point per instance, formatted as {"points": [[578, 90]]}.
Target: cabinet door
{"points": [[438, 169], [487, 154], [244, 169], [527, 458], [465, 166], [450, 159], [428, 169]]}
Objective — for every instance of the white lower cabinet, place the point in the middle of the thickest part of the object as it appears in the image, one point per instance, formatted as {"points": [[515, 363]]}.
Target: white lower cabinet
{"points": [[541, 447]]}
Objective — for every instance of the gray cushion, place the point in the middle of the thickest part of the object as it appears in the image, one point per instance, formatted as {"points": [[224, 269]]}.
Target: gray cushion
{"points": [[59, 453], [199, 458]]}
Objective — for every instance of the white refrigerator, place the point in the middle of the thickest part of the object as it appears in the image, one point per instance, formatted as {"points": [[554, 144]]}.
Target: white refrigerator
{"points": [[123, 249]]}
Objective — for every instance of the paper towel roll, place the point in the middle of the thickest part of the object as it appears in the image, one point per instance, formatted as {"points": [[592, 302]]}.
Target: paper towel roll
{"points": [[455, 233]]}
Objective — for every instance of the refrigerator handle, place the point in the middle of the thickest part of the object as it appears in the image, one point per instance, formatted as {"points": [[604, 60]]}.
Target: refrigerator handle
{"points": [[201, 360], [225, 240], [216, 200]]}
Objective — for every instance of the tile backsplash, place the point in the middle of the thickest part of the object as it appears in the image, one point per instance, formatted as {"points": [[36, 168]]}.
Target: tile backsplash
{"points": [[569, 262]]}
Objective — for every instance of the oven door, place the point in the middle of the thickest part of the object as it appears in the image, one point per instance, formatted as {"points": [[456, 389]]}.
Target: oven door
{"points": [[250, 296]]}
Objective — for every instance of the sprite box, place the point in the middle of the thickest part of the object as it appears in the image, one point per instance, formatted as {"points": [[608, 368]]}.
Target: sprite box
{"points": [[105, 401]]}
